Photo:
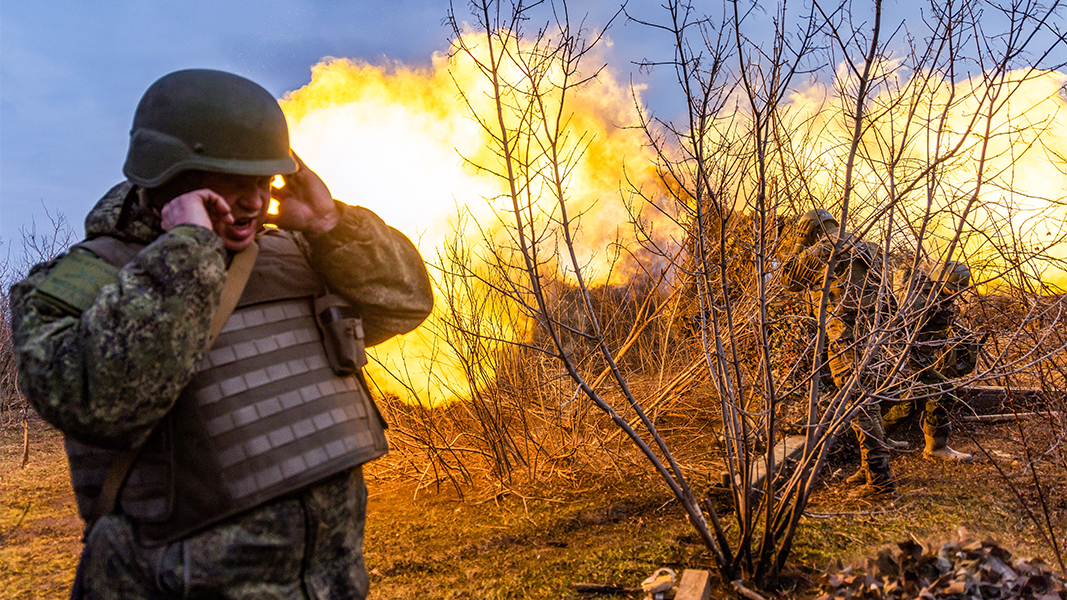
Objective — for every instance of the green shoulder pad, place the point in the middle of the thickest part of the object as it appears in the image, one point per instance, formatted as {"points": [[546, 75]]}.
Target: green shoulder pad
{"points": [[74, 283]]}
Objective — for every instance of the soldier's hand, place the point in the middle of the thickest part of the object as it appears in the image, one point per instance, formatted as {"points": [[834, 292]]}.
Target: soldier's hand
{"points": [[199, 207], [304, 202]]}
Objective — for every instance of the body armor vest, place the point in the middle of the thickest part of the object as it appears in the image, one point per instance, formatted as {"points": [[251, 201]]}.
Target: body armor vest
{"points": [[264, 415]]}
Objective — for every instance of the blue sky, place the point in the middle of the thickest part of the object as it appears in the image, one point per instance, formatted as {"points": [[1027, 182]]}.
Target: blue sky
{"points": [[72, 71]]}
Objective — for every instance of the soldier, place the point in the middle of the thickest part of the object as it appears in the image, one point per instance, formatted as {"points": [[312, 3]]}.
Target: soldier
{"points": [[938, 355], [851, 305], [216, 418]]}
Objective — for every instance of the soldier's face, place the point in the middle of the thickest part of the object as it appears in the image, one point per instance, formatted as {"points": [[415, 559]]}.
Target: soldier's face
{"points": [[249, 198]]}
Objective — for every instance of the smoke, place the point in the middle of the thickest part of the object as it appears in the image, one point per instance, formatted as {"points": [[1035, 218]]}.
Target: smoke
{"points": [[987, 153], [401, 141]]}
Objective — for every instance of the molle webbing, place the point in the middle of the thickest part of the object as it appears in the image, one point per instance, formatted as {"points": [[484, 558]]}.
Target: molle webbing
{"points": [[284, 411], [264, 416]]}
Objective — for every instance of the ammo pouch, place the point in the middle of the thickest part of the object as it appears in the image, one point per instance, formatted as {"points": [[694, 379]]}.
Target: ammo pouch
{"points": [[342, 334]]}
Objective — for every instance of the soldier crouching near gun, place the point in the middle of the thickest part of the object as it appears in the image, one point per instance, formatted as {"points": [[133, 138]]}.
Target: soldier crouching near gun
{"points": [[228, 466], [851, 305], [942, 351]]}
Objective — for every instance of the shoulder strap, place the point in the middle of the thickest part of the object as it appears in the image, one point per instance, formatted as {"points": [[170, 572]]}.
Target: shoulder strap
{"points": [[236, 279], [109, 490], [113, 250]]}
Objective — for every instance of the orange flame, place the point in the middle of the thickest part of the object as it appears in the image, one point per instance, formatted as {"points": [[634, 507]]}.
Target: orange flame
{"points": [[392, 138], [1019, 203]]}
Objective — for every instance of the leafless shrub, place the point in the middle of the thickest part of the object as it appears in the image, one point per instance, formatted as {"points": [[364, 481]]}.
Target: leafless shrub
{"points": [[11, 400], [36, 247], [905, 162]]}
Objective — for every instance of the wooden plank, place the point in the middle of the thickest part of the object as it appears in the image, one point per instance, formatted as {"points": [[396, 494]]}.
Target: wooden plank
{"points": [[695, 585], [984, 399], [1003, 417], [784, 452]]}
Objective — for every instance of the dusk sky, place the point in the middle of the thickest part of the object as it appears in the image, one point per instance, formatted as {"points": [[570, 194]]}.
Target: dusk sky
{"points": [[72, 72]]}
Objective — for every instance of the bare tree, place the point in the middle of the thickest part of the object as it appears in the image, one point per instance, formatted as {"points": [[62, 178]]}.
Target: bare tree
{"points": [[37, 246], [901, 134], [900, 160]]}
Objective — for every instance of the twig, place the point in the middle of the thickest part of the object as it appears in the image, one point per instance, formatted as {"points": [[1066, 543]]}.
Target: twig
{"points": [[688, 375], [25, 439], [602, 588], [746, 592], [1008, 417]]}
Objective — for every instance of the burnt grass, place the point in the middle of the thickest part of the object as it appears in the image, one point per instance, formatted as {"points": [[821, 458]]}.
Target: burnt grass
{"points": [[610, 525]]}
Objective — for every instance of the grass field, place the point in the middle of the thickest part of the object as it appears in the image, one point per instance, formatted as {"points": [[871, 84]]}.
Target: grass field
{"points": [[535, 540]]}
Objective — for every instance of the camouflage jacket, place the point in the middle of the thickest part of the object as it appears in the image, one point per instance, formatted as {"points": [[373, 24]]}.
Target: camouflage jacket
{"points": [[942, 348], [107, 376], [853, 286], [936, 313]]}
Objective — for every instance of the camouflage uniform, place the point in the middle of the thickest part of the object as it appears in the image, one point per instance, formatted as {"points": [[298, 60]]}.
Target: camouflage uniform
{"points": [[308, 545], [851, 305], [941, 351], [933, 331], [107, 377]]}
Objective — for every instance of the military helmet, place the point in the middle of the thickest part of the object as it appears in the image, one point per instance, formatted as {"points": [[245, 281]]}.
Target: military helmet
{"points": [[813, 224], [953, 275], [209, 121]]}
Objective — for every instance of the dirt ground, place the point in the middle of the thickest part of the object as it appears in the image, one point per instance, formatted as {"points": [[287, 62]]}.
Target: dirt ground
{"points": [[535, 541]]}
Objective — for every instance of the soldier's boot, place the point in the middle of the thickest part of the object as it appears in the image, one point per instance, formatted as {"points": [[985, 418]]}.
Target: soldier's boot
{"points": [[857, 478], [937, 445], [874, 455], [880, 484]]}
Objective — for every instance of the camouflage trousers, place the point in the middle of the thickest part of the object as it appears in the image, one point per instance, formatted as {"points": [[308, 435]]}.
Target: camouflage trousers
{"points": [[933, 400], [874, 453], [930, 389], [306, 546]]}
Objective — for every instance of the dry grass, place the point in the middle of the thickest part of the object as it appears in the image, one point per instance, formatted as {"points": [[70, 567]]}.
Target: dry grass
{"points": [[937, 499], [534, 539], [40, 532], [617, 527]]}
